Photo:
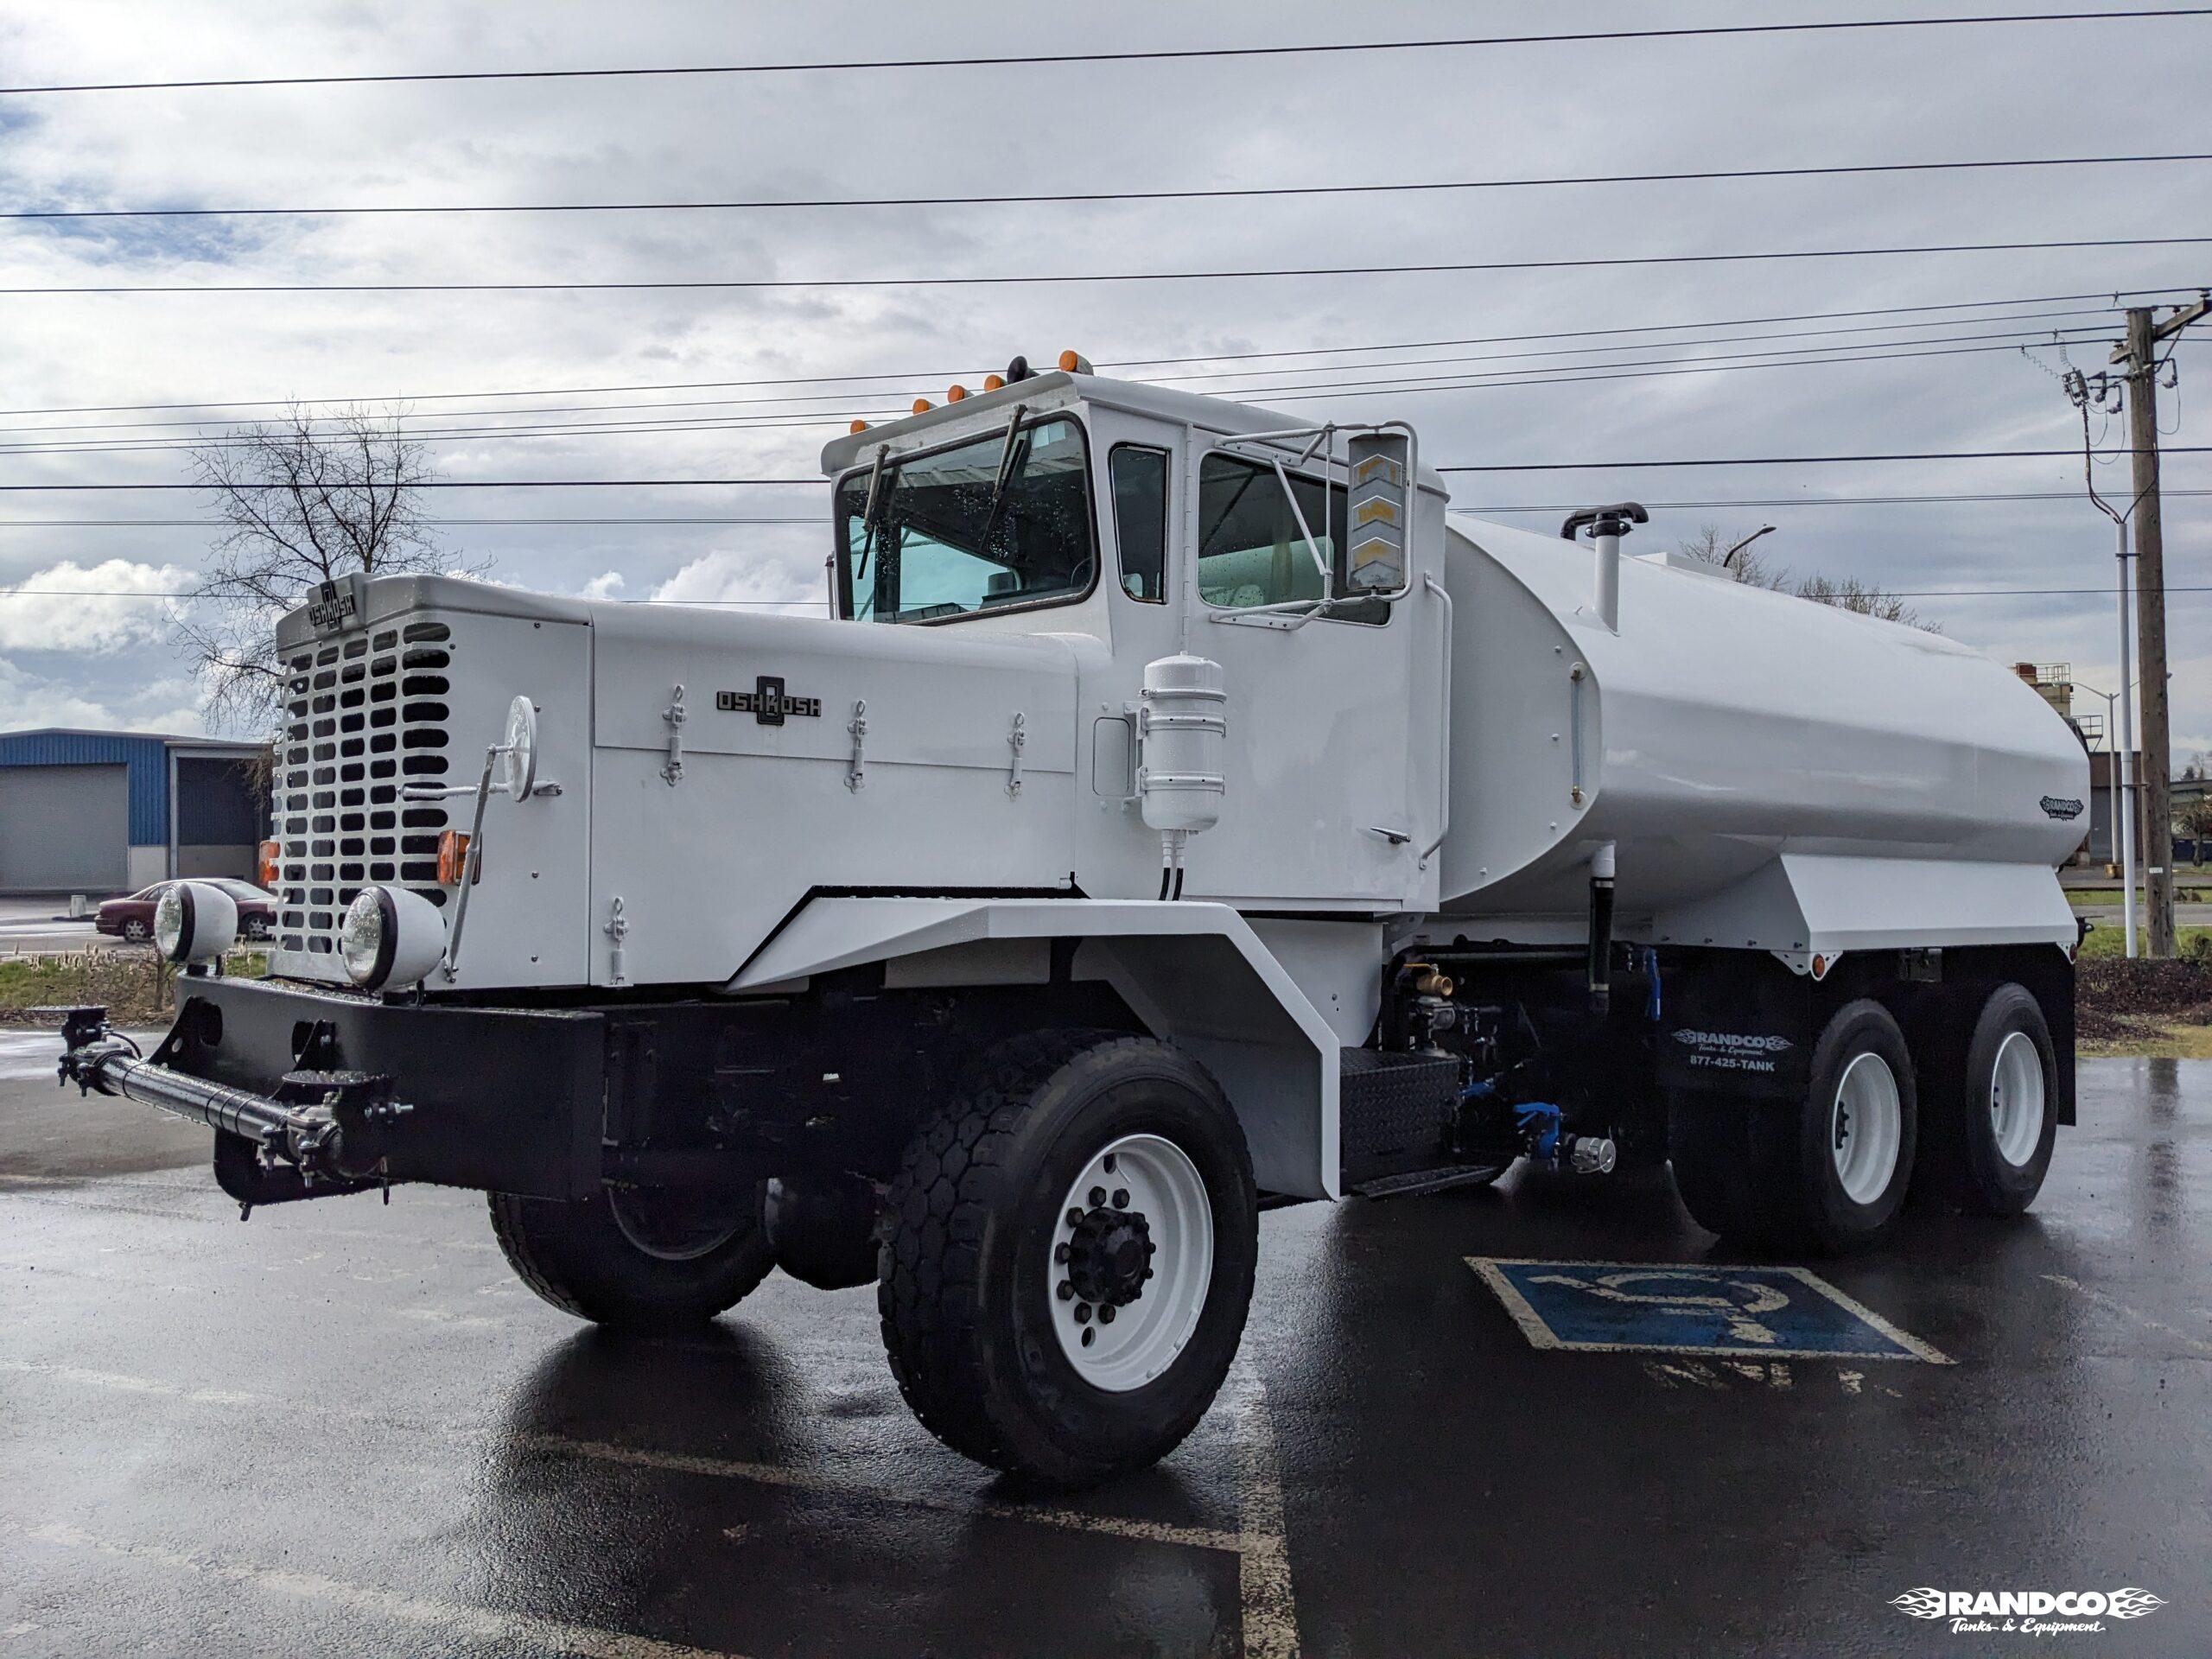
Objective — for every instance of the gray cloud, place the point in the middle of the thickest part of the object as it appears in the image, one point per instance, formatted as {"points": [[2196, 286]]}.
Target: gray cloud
{"points": [[1775, 101]]}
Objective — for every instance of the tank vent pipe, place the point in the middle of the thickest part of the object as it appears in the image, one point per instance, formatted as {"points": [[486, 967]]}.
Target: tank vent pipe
{"points": [[1606, 526]]}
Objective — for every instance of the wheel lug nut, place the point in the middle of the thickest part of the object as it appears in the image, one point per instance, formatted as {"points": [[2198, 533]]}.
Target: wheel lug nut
{"points": [[1097, 1197], [1106, 1314], [1151, 1248], [1075, 1217], [1120, 1197], [1083, 1312], [1067, 1291], [1059, 1252], [1148, 1273]]}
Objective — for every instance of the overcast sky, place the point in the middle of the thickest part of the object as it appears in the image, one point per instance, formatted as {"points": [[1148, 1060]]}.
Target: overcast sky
{"points": [[1918, 94]]}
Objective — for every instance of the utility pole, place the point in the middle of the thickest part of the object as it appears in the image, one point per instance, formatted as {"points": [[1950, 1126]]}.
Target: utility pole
{"points": [[2139, 354]]}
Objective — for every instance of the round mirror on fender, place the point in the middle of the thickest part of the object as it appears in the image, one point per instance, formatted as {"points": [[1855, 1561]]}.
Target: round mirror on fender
{"points": [[521, 747]]}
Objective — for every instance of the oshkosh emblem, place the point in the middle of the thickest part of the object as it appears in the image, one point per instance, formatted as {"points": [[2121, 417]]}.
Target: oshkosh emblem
{"points": [[766, 702]]}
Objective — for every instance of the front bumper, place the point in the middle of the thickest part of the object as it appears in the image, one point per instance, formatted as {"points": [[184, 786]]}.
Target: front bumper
{"points": [[323, 1092]]}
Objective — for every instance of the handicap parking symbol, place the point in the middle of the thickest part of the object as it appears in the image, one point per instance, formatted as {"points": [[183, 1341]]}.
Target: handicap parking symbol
{"points": [[1765, 1313]]}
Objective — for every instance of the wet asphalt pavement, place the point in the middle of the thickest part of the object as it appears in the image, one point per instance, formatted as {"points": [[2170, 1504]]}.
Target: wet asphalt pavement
{"points": [[345, 1427]]}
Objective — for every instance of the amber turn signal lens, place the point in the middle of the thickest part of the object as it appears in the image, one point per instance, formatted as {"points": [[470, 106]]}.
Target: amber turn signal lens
{"points": [[922, 405], [452, 858], [265, 864], [993, 382], [857, 426], [1068, 361], [954, 394]]}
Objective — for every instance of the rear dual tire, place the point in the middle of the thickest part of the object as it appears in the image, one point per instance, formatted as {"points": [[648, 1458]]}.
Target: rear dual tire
{"points": [[1827, 1171], [1992, 1116]]}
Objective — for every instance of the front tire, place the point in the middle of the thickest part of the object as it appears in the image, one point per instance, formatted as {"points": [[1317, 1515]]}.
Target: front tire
{"points": [[1071, 1257], [633, 1258]]}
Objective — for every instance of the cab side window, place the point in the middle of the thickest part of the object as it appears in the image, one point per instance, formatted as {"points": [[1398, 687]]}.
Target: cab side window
{"points": [[1139, 483], [1251, 551]]}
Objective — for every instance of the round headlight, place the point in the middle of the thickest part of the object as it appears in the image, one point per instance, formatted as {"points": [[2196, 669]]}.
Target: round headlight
{"points": [[195, 922], [391, 937]]}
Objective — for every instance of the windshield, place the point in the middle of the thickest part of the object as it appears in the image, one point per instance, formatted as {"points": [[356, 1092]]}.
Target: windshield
{"points": [[985, 526]]}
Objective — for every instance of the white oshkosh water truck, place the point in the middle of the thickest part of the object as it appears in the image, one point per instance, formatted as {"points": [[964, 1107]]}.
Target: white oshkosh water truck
{"points": [[1177, 817]]}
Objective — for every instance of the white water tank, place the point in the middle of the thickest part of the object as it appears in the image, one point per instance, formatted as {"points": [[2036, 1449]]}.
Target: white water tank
{"points": [[1184, 730]]}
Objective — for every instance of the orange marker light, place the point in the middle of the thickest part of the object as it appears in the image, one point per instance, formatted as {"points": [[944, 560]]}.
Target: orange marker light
{"points": [[266, 865], [857, 426], [993, 382], [1074, 363], [954, 394], [922, 405], [453, 858]]}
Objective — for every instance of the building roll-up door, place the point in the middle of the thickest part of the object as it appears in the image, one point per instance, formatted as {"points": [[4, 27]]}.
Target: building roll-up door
{"points": [[65, 829]]}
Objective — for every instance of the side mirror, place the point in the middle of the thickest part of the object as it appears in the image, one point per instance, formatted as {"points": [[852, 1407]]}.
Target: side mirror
{"points": [[520, 749], [1379, 506]]}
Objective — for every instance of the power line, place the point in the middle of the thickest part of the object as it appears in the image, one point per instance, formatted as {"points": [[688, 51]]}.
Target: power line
{"points": [[1164, 380], [1163, 54], [136, 592], [1078, 197], [2111, 297], [1780, 460], [1567, 374], [1046, 278], [1490, 467], [711, 520]]}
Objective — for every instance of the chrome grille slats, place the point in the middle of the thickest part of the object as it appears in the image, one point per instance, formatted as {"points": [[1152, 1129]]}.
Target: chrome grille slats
{"points": [[365, 713]]}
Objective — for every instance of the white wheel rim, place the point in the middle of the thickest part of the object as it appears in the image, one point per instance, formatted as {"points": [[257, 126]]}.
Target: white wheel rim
{"points": [[1130, 1342], [1866, 1128], [2016, 1099]]}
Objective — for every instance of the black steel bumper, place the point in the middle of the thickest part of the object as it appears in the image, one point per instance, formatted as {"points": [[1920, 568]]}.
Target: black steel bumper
{"points": [[316, 1092]]}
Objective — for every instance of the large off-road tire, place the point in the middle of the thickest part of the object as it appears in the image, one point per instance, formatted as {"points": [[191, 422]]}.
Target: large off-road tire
{"points": [[1991, 1114], [1826, 1171], [1028, 1325], [634, 1260]]}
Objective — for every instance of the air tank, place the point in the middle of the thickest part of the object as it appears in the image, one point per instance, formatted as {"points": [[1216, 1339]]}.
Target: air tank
{"points": [[1717, 726], [1183, 728]]}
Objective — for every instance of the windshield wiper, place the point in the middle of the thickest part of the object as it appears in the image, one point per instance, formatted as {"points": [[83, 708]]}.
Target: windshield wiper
{"points": [[872, 513], [1011, 459]]}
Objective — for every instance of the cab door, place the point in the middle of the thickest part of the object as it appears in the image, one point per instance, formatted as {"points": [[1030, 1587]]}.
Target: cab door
{"points": [[1334, 795]]}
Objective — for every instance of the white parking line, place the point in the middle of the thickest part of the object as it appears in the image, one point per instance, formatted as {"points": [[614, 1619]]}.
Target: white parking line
{"points": [[2113, 1304], [447, 1617], [1268, 1608]]}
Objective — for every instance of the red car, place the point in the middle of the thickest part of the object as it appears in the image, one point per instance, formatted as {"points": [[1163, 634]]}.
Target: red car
{"points": [[132, 917]]}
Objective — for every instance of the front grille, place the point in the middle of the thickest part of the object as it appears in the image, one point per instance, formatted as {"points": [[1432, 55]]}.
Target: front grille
{"points": [[364, 716]]}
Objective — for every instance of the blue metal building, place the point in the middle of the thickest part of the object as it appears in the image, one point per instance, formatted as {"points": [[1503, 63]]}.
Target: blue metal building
{"points": [[103, 812]]}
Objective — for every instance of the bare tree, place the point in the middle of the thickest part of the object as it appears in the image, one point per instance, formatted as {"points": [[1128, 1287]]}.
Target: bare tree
{"points": [[303, 500], [1747, 564], [1853, 594], [1750, 566], [2194, 817]]}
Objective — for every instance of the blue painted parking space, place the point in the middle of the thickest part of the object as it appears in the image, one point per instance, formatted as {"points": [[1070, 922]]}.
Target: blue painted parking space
{"points": [[1765, 1313]]}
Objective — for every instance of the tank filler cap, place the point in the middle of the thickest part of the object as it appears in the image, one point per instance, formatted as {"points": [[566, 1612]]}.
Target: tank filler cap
{"points": [[1616, 521]]}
